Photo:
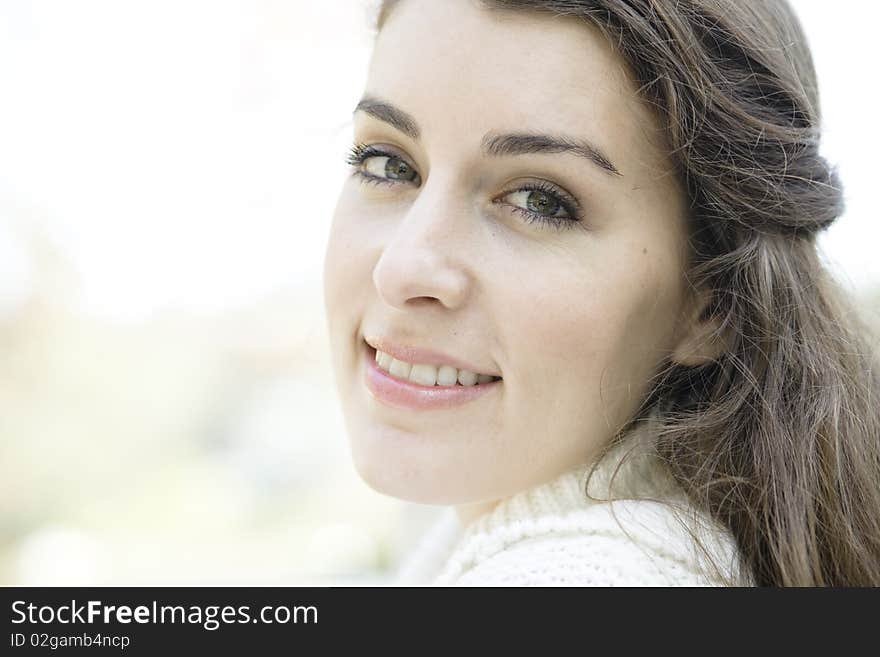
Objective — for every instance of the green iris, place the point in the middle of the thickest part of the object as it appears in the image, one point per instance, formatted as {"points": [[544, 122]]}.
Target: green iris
{"points": [[397, 169], [542, 203]]}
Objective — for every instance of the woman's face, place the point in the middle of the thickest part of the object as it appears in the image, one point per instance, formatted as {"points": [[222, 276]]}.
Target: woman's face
{"points": [[516, 213]]}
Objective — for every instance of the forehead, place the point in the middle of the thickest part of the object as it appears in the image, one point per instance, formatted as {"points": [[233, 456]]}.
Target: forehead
{"points": [[459, 67]]}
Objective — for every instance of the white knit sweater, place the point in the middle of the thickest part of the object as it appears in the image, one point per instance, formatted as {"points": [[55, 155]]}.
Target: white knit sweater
{"points": [[554, 535]]}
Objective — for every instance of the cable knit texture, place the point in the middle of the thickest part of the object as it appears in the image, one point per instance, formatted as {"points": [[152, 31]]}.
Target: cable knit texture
{"points": [[639, 532]]}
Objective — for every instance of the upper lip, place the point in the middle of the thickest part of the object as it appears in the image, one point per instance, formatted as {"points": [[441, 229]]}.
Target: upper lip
{"points": [[418, 355]]}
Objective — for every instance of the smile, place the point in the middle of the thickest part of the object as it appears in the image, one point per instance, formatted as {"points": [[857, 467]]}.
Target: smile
{"points": [[431, 375], [393, 382]]}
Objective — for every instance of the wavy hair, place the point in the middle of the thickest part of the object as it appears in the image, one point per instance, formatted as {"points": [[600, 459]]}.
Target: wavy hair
{"points": [[778, 436]]}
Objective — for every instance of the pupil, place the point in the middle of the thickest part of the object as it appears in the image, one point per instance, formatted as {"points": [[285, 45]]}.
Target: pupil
{"points": [[542, 203]]}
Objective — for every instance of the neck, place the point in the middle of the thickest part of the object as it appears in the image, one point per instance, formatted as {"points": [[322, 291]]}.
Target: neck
{"points": [[467, 513]]}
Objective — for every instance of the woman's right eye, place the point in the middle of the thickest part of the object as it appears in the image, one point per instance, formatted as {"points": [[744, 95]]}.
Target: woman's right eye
{"points": [[379, 167]]}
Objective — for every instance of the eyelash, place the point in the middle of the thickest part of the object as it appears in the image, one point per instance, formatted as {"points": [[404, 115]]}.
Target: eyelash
{"points": [[360, 153]]}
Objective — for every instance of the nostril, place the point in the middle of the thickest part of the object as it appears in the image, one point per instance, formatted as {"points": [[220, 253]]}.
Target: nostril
{"points": [[418, 302]]}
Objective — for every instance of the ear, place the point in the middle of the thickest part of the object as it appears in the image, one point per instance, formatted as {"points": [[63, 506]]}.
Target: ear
{"points": [[701, 338]]}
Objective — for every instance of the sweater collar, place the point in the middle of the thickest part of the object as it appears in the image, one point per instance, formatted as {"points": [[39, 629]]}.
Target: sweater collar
{"points": [[630, 468]]}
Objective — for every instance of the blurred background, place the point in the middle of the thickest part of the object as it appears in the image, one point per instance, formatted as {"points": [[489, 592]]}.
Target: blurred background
{"points": [[168, 171]]}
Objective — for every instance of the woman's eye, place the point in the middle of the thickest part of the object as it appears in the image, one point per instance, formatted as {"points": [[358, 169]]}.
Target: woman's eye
{"points": [[379, 167], [390, 167], [544, 204], [537, 201]]}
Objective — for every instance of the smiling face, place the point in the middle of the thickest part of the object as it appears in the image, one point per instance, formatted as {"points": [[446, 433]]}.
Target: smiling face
{"points": [[511, 207]]}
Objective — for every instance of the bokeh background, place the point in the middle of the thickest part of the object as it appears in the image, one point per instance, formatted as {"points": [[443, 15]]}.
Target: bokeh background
{"points": [[168, 171]]}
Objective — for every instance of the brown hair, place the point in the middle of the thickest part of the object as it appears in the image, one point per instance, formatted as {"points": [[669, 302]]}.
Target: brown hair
{"points": [[778, 437]]}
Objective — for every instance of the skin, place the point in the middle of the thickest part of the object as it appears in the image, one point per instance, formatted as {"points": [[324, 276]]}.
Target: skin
{"points": [[575, 320]]}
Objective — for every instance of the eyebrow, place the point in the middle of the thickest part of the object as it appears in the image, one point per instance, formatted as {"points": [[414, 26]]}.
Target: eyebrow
{"points": [[496, 145]]}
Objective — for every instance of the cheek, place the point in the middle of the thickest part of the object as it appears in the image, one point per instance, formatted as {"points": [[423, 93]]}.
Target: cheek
{"points": [[347, 275], [347, 258], [596, 337]]}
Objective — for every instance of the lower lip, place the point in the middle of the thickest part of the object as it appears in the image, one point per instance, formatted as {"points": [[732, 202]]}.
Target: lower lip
{"points": [[406, 394]]}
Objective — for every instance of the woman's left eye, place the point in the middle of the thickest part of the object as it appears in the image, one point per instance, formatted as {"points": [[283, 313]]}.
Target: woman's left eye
{"points": [[544, 203]]}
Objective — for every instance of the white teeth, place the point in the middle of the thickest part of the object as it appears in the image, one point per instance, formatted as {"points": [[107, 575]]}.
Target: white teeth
{"points": [[447, 376], [399, 368], [425, 375], [383, 359], [429, 375], [466, 378]]}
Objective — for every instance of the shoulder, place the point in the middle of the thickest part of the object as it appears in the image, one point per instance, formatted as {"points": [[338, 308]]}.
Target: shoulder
{"points": [[625, 543]]}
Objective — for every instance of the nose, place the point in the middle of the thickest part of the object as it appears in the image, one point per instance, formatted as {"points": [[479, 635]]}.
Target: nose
{"points": [[425, 258]]}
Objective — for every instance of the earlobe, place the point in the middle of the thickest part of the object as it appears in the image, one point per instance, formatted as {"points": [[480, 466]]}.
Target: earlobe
{"points": [[703, 340]]}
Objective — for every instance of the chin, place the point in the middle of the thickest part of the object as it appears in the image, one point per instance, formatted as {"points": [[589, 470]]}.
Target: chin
{"points": [[419, 480]]}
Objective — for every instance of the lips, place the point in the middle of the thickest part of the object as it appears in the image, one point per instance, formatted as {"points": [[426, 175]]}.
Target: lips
{"points": [[398, 393]]}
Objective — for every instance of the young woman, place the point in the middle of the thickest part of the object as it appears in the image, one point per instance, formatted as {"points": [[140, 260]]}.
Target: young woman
{"points": [[573, 291]]}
